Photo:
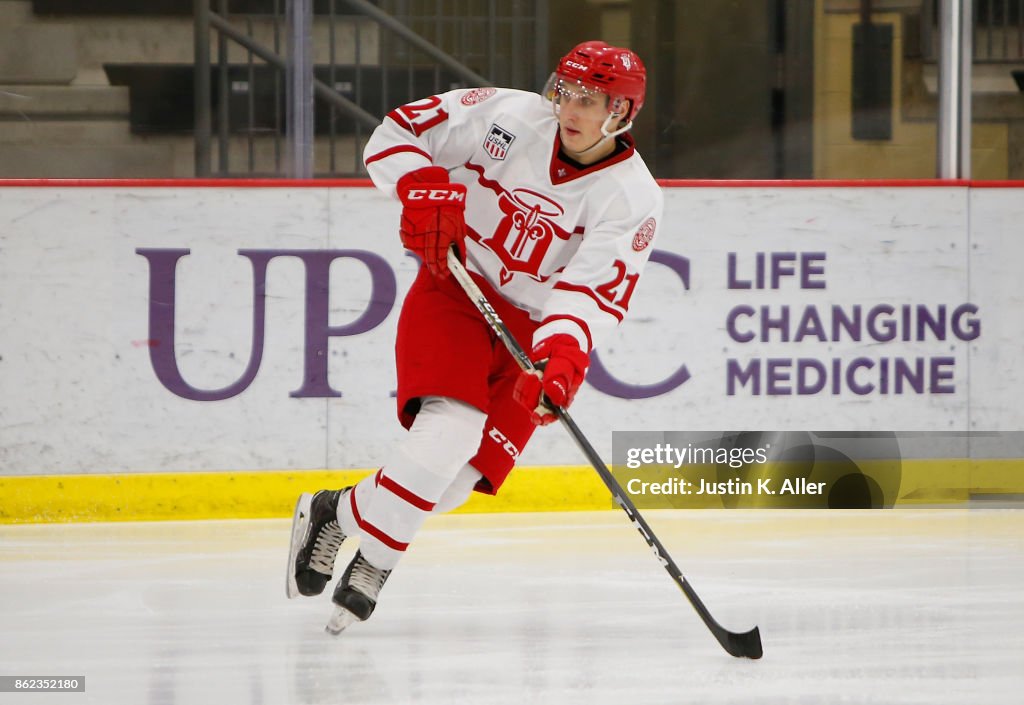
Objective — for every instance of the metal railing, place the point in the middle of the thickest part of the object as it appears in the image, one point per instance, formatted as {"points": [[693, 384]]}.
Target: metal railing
{"points": [[368, 58], [998, 36]]}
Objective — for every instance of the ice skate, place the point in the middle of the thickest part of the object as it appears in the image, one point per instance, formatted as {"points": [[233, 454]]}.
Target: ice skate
{"points": [[356, 594], [316, 538]]}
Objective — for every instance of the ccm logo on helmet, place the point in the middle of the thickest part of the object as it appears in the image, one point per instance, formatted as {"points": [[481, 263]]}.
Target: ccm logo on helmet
{"points": [[576, 65], [431, 194]]}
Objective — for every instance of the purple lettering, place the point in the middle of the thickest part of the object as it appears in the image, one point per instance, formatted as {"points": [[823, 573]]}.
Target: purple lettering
{"points": [[970, 328], [882, 330], [804, 366], [782, 266], [735, 373], [851, 376], [778, 376], [903, 373], [809, 268], [942, 371], [731, 281], [840, 321], [781, 323], [730, 324], [383, 293], [810, 326], [936, 325], [163, 264]]}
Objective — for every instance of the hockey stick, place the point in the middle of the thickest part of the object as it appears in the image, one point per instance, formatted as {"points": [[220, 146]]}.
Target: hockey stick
{"points": [[743, 645]]}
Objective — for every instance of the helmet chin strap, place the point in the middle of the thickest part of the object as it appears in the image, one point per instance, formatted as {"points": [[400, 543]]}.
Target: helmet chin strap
{"points": [[605, 134]]}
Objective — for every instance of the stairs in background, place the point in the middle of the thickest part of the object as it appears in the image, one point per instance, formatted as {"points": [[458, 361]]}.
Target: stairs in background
{"points": [[63, 114], [60, 121], [55, 131], [102, 88]]}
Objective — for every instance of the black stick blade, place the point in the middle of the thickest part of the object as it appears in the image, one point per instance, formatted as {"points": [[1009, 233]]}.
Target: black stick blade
{"points": [[745, 645]]}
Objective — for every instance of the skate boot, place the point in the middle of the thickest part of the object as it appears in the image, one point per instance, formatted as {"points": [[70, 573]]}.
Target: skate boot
{"points": [[316, 538], [356, 594]]}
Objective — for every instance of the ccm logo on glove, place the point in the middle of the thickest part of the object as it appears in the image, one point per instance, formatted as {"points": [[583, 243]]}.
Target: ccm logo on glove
{"points": [[561, 367], [446, 194], [433, 216]]}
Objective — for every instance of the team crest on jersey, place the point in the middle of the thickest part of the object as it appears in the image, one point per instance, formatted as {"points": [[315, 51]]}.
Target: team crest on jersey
{"points": [[477, 95], [497, 142], [644, 235], [525, 233]]}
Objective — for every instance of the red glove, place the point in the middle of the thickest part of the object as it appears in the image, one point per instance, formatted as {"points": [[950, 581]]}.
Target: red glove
{"points": [[433, 216], [564, 366]]}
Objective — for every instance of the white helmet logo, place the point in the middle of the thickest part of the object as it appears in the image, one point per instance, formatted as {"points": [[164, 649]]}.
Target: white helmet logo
{"points": [[626, 61]]}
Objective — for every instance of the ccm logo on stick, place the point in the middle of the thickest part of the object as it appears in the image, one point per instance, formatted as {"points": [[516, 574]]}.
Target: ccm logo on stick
{"points": [[435, 194]]}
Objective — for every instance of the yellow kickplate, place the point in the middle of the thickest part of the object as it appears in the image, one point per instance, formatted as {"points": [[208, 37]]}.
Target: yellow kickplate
{"points": [[272, 494], [263, 494]]}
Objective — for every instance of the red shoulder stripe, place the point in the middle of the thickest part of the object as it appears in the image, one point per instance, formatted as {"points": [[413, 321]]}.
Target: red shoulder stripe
{"points": [[384, 154], [400, 120]]}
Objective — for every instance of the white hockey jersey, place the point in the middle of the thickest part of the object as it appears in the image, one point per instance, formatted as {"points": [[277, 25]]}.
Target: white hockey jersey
{"points": [[565, 244]]}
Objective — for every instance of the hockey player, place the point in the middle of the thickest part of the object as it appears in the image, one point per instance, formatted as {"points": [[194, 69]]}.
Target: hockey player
{"points": [[553, 213]]}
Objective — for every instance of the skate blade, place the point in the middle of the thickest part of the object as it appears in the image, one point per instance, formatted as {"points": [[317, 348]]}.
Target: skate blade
{"points": [[340, 620], [300, 525]]}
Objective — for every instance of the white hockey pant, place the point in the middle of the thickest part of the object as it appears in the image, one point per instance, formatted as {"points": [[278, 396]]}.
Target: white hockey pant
{"points": [[427, 474]]}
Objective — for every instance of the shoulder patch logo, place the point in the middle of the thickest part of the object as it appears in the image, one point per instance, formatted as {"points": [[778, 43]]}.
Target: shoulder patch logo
{"points": [[644, 235], [497, 142], [477, 95]]}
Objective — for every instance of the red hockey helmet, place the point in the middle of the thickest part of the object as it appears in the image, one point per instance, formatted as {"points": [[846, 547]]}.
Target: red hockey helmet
{"points": [[615, 71]]}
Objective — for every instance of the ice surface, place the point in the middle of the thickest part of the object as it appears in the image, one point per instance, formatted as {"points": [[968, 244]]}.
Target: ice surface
{"points": [[880, 607]]}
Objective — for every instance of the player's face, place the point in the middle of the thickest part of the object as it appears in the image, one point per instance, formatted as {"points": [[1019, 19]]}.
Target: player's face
{"points": [[581, 113]]}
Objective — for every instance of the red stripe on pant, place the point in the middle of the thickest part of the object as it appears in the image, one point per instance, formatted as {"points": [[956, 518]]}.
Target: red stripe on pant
{"points": [[402, 493], [373, 530]]}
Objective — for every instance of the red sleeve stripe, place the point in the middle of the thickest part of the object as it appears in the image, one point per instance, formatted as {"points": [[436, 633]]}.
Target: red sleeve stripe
{"points": [[396, 150], [578, 321], [601, 303], [399, 491], [373, 530], [401, 121]]}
